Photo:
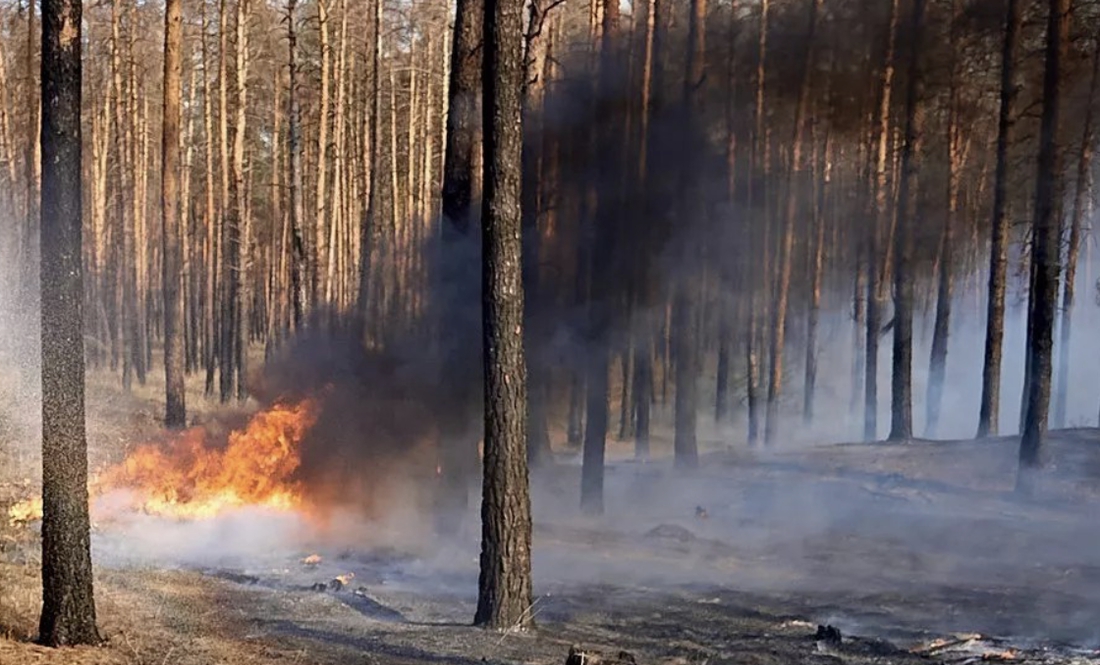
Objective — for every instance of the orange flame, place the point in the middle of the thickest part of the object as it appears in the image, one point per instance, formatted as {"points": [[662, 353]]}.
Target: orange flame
{"points": [[189, 478]]}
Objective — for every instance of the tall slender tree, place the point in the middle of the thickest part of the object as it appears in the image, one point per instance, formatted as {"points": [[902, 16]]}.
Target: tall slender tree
{"points": [[298, 272], [456, 285], [901, 400], [990, 409], [684, 322], [504, 586], [175, 413], [1045, 251], [600, 305], [68, 605], [1073, 249]]}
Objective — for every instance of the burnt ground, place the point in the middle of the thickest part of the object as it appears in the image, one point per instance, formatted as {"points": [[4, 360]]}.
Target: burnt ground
{"points": [[918, 553]]}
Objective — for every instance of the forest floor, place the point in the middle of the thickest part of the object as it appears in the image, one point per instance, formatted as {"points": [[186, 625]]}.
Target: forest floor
{"points": [[917, 553]]}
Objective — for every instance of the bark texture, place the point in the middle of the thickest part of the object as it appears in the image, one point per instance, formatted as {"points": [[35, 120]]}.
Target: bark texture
{"points": [[175, 412], [68, 605], [504, 585]]}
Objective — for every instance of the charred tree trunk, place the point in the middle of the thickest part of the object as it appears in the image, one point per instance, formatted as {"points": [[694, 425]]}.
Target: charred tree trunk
{"points": [[817, 264], [989, 414], [68, 606], [875, 260], [1045, 251], [369, 226], [456, 285], [504, 586], [298, 271], [938, 362], [684, 317], [602, 270], [644, 288], [901, 425]]}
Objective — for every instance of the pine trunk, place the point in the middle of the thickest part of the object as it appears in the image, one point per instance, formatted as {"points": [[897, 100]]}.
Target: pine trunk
{"points": [[175, 413], [504, 585], [1045, 251], [68, 606], [989, 413]]}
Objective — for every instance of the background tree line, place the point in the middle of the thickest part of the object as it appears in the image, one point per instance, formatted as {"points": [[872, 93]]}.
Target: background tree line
{"points": [[734, 212]]}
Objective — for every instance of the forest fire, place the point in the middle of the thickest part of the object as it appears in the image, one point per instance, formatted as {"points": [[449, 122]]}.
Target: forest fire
{"points": [[192, 477]]}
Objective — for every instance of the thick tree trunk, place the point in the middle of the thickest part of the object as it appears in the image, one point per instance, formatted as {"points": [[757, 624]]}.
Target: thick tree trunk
{"points": [[175, 413], [504, 586], [1045, 251], [68, 607], [989, 413]]}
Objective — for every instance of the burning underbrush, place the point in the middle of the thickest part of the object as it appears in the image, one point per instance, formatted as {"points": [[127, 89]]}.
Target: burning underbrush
{"points": [[336, 433]]}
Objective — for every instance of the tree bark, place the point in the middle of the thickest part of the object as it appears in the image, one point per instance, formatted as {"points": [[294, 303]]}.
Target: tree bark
{"points": [[901, 396], [241, 227], [175, 413], [1045, 251], [944, 277], [504, 585], [602, 243], [320, 209], [68, 605], [990, 409], [298, 271]]}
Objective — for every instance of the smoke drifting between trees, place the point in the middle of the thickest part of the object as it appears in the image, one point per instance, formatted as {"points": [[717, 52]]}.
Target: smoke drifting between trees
{"points": [[756, 184]]}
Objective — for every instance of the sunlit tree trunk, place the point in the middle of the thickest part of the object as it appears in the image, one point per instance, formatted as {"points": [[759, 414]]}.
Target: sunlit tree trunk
{"points": [[241, 284], [175, 414]]}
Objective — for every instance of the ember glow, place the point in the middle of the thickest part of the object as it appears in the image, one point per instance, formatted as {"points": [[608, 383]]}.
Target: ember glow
{"points": [[190, 477]]}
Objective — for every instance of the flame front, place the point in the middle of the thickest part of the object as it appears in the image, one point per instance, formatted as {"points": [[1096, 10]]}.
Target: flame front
{"points": [[189, 478]]}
